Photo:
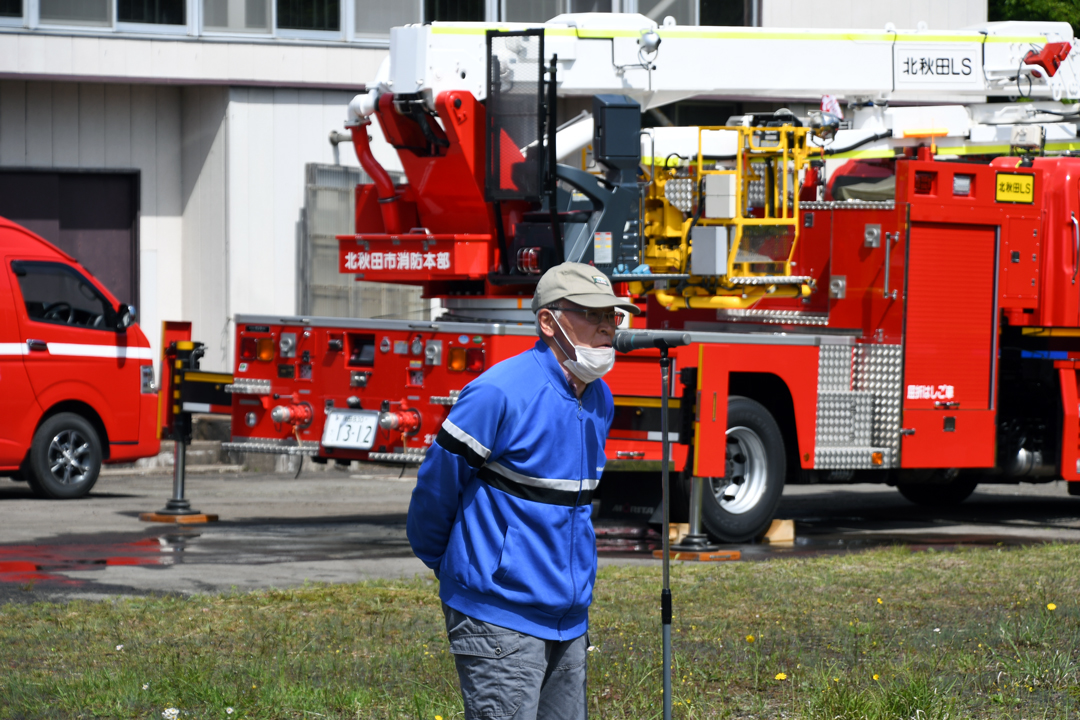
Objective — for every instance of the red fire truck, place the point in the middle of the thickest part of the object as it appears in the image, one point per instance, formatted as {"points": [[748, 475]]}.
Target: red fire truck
{"points": [[910, 317], [78, 374]]}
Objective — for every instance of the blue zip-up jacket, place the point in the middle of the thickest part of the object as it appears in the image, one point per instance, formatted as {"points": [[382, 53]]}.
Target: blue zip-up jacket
{"points": [[502, 505]]}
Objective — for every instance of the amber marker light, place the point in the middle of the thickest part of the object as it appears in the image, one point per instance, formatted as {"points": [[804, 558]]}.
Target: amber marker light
{"points": [[877, 458], [456, 360], [266, 349]]}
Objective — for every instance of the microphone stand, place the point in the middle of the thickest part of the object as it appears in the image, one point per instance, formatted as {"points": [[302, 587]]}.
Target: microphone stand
{"points": [[625, 342], [665, 591]]}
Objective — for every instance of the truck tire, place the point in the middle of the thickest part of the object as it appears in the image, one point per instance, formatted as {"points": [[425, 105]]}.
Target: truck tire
{"points": [[938, 495], [739, 506], [65, 457]]}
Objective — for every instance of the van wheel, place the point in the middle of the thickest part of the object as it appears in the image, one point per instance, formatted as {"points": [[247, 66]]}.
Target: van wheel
{"points": [[65, 457], [739, 506]]}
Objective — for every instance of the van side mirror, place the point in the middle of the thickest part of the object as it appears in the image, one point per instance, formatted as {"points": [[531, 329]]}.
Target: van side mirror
{"points": [[128, 316]]}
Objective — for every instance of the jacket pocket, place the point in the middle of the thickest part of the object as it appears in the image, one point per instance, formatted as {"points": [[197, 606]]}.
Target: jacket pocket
{"points": [[508, 555], [534, 567]]}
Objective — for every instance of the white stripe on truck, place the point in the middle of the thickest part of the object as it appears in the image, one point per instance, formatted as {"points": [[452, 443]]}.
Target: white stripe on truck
{"points": [[80, 350]]}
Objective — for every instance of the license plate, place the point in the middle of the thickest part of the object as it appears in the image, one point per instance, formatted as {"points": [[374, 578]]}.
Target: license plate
{"points": [[350, 429]]}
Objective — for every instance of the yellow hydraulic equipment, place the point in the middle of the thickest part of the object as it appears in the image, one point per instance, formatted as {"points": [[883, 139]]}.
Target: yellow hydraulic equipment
{"points": [[730, 232]]}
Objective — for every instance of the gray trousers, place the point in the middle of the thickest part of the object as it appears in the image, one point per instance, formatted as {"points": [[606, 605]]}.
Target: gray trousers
{"points": [[507, 674]]}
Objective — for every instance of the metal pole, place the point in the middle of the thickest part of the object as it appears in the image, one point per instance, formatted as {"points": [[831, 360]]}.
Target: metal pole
{"points": [[696, 540], [665, 593], [695, 505], [179, 468], [177, 504]]}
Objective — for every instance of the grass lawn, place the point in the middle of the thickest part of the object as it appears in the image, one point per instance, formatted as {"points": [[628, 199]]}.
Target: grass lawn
{"points": [[982, 633]]}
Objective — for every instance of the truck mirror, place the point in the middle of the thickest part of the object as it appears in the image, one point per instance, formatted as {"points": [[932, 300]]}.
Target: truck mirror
{"points": [[128, 316]]}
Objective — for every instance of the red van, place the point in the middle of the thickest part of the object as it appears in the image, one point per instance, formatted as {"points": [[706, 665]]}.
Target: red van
{"points": [[76, 372]]}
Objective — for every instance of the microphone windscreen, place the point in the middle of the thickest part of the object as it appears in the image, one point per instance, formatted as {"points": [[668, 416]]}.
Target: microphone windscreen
{"points": [[626, 341]]}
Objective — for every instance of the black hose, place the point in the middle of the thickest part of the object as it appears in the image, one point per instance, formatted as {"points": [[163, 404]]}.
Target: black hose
{"points": [[700, 208], [873, 138], [831, 151], [1018, 75]]}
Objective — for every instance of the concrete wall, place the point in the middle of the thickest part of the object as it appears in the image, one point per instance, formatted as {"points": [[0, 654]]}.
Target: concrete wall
{"points": [[272, 134], [60, 125], [180, 60], [204, 203], [905, 14], [244, 153]]}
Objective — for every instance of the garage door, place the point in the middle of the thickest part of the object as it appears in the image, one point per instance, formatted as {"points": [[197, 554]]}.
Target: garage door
{"points": [[91, 216]]}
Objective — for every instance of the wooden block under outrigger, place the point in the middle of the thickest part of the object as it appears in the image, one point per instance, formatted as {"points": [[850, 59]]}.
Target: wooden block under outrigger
{"points": [[180, 519]]}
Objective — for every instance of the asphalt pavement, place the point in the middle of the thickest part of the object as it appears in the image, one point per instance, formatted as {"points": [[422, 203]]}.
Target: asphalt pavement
{"points": [[344, 525]]}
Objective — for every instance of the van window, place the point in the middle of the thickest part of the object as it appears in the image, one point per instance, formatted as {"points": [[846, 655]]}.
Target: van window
{"points": [[56, 293]]}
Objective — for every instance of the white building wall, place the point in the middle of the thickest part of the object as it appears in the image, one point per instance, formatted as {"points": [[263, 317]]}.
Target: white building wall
{"points": [[84, 57], [271, 136], [156, 147], [221, 185], [204, 212], [64, 126], [162, 106], [904, 14], [272, 133]]}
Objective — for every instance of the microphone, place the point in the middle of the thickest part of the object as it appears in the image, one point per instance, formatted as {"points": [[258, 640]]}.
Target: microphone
{"points": [[625, 340]]}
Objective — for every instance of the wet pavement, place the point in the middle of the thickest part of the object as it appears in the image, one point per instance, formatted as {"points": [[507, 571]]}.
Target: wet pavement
{"points": [[340, 526]]}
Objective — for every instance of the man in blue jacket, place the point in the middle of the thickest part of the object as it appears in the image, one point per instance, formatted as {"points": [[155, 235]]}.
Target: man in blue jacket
{"points": [[502, 505]]}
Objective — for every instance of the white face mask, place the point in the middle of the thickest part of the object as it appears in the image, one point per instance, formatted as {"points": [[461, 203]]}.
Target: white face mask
{"points": [[592, 363]]}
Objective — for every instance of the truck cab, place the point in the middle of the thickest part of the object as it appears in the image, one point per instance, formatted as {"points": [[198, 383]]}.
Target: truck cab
{"points": [[76, 373]]}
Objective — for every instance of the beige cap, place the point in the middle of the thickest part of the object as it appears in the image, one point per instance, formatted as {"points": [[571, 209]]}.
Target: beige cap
{"points": [[581, 284]]}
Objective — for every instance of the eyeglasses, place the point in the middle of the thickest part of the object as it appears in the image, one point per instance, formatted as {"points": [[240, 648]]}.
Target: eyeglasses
{"points": [[595, 317]]}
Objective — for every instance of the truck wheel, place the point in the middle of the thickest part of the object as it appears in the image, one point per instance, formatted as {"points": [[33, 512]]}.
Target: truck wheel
{"points": [[65, 457], [739, 506], [938, 495]]}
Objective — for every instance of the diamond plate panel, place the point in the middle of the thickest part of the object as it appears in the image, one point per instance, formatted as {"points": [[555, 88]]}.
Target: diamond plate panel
{"points": [[877, 370], [851, 458], [858, 410], [834, 368], [773, 317], [680, 193], [844, 419]]}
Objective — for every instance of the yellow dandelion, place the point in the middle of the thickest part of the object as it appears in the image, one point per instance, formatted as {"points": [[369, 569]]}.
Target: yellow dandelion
{"points": [[781, 676], [880, 602], [1051, 606], [749, 638], [438, 717], [836, 679], [876, 676]]}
